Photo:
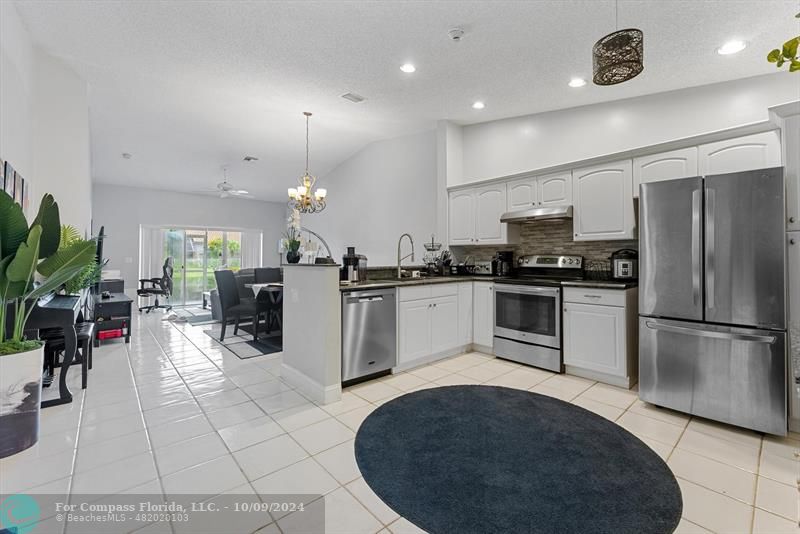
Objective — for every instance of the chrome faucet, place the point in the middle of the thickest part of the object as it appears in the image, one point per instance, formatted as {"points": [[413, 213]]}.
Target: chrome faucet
{"points": [[399, 259]]}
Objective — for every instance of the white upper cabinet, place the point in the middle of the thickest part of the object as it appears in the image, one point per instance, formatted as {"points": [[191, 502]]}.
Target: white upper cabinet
{"points": [[490, 204], [462, 217], [474, 217], [603, 202], [757, 151], [522, 194], [681, 163], [791, 139], [549, 190], [555, 189]]}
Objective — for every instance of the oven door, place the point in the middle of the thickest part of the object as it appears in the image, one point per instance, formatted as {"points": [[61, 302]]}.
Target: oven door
{"points": [[528, 313]]}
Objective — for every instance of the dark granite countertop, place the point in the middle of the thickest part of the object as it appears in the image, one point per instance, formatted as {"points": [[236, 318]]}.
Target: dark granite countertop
{"points": [[425, 280], [601, 284]]}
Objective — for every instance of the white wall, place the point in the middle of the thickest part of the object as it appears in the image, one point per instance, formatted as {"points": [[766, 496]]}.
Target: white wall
{"points": [[521, 144], [122, 210], [44, 122], [61, 163], [386, 189]]}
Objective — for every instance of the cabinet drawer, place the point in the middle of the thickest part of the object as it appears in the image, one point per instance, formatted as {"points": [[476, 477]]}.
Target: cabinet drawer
{"points": [[447, 289], [588, 295], [414, 293]]}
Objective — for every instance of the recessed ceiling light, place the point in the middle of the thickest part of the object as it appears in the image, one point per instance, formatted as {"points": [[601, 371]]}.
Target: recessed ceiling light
{"points": [[478, 105], [577, 82], [731, 47], [408, 68]]}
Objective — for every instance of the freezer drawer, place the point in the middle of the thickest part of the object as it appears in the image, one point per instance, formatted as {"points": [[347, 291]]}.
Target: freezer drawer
{"points": [[732, 375]]}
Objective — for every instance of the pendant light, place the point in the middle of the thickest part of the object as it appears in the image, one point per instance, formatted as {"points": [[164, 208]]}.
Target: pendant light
{"points": [[303, 198], [618, 56]]}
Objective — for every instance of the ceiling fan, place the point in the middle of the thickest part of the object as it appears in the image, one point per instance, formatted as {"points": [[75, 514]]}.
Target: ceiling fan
{"points": [[226, 190]]}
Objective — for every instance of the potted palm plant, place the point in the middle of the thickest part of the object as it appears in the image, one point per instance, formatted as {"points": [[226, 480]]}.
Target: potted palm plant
{"points": [[31, 266]]}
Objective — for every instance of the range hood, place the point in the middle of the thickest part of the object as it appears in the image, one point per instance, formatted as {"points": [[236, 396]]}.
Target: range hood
{"points": [[537, 214]]}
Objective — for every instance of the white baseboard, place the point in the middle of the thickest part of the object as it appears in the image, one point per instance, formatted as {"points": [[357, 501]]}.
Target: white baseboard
{"points": [[310, 387], [619, 381], [431, 358]]}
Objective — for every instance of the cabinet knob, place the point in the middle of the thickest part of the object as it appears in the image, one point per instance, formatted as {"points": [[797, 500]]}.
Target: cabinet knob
{"points": [[791, 241], [792, 219]]}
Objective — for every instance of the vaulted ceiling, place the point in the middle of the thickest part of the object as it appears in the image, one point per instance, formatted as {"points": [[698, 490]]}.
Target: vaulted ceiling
{"points": [[187, 87]]}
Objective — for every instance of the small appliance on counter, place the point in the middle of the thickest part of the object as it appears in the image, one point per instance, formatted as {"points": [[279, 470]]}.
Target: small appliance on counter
{"points": [[482, 267], [625, 264], [502, 263], [354, 266]]}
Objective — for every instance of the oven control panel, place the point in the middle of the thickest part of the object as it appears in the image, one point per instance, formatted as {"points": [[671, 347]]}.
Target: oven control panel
{"points": [[555, 262]]}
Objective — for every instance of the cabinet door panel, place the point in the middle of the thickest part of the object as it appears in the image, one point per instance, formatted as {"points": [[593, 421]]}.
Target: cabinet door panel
{"points": [[521, 194], [491, 204], [555, 189], [671, 165], [793, 251], [603, 202], [791, 140], [483, 314], [465, 313], [757, 151], [444, 324], [414, 330], [594, 338], [462, 217]]}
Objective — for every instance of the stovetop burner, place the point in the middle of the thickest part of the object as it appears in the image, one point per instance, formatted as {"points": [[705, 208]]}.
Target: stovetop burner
{"points": [[546, 270]]}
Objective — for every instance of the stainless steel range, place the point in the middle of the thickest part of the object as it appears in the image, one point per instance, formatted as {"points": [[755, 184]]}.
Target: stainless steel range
{"points": [[527, 310]]}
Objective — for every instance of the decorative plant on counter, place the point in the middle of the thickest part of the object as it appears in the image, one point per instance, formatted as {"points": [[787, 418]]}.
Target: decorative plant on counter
{"points": [[292, 237], [89, 275], [787, 53], [26, 251]]}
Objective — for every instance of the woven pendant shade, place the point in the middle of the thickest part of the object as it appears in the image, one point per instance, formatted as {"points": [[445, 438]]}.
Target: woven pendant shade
{"points": [[618, 57]]}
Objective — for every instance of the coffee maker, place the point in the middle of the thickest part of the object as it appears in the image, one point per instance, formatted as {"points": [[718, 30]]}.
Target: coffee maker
{"points": [[502, 263], [354, 266]]}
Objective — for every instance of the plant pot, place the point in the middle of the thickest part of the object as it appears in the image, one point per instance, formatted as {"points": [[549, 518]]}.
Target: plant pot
{"points": [[20, 399], [293, 256]]}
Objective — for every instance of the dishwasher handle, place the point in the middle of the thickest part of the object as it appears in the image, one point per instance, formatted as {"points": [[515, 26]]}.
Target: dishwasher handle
{"points": [[355, 298]]}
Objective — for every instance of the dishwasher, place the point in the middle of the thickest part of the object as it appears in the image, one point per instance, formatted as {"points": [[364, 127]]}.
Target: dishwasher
{"points": [[369, 333]]}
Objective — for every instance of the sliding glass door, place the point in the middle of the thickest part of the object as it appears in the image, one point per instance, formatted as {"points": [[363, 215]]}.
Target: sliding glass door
{"points": [[196, 253]]}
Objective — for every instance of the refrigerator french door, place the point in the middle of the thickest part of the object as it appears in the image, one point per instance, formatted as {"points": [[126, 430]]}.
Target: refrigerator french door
{"points": [[712, 298]]}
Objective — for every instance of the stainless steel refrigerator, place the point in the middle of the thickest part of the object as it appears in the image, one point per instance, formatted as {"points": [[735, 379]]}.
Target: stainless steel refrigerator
{"points": [[712, 298]]}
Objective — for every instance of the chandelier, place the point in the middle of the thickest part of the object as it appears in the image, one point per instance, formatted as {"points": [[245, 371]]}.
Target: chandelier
{"points": [[304, 198], [618, 56]]}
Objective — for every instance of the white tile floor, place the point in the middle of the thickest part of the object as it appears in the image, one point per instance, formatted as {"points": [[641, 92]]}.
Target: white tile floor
{"points": [[175, 412]]}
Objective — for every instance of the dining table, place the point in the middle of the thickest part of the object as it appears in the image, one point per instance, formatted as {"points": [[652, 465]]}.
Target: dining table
{"points": [[274, 291]]}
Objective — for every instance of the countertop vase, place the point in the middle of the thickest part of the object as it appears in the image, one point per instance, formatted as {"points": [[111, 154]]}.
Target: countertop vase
{"points": [[293, 256]]}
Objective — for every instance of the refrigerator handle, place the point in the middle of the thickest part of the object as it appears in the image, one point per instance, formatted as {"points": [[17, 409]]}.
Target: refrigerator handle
{"points": [[733, 336], [710, 246], [696, 207]]}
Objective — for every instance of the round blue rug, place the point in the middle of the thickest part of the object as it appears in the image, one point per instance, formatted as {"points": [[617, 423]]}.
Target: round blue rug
{"points": [[485, 459]]}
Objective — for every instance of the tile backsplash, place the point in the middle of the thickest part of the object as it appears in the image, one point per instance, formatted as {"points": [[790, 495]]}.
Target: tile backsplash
{"points": [[547, 237]]}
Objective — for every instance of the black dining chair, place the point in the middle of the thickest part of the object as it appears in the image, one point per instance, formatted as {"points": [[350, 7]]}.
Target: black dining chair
{"points": [[232, 306]]}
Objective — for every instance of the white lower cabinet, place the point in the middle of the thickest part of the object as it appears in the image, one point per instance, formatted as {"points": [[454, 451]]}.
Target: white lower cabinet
{"points": [[444, 324], [465, 313], [601, 335], [483, 314], [428, 323], [414, 331]]}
